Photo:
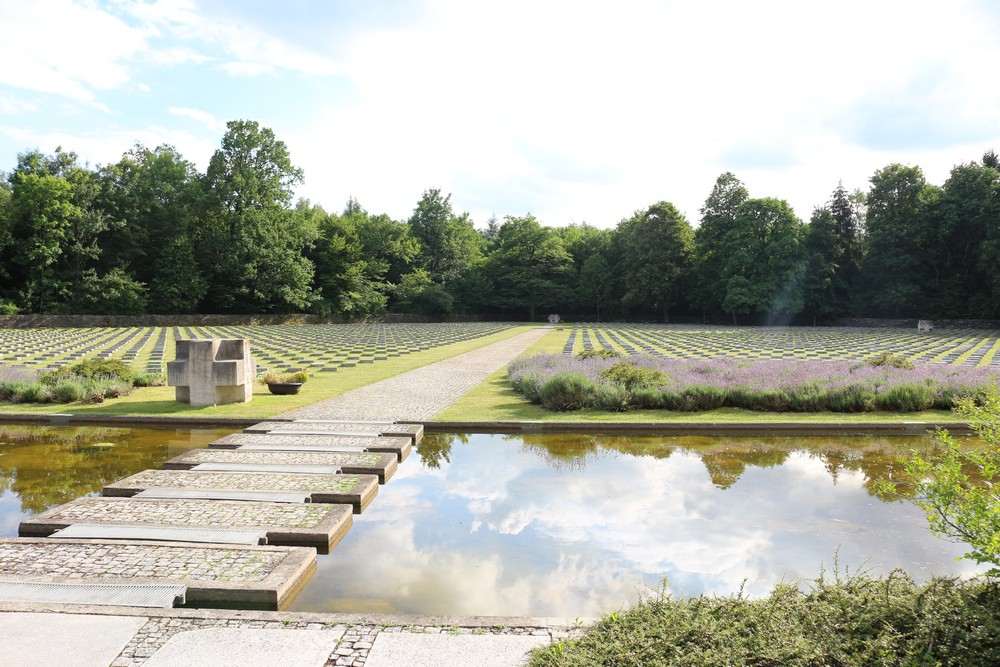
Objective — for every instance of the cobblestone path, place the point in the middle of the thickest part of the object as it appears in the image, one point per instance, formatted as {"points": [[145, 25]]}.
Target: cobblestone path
{"points": [[423, 392]]}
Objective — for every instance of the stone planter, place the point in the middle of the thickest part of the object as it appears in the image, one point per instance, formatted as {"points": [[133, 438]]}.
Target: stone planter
{"points": [[284, 388]]}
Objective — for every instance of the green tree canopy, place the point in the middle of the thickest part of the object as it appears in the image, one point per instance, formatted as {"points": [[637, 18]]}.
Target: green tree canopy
{"points": [[529, 266], [657, 250]]}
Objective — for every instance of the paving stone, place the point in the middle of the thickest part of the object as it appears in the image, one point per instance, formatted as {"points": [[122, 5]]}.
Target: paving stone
{"points": [[306, 524], [238, 647], [258, 577], [443, 650], [362, 463], [355, 490], [83, 641], [401, 447]]}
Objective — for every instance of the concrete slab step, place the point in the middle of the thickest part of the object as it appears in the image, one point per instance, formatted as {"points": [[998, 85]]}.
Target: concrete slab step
{"points": [[319, 427], [401, 447], [355, 490], [320, 526], [246, 577], [384, 465]]}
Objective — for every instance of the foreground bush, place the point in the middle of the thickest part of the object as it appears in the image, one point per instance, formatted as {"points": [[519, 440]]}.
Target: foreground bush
{"points": [[857, 621], [90, 381], [561, 382]]}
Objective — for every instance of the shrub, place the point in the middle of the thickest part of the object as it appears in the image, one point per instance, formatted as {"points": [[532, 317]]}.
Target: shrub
{"points": [[846, 621], [567, 391], [631, 376], [90, 369], [67, 392], [32, 392], [148, 379], [613, 397], [97, 390], [889, 359], [599, 353], [281, 378], [908, 397]]}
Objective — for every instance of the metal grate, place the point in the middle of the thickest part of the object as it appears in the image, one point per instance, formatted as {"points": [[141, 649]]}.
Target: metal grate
{"points": [[263, 467], [222, 494], [111, 531], [119, 595], [259, 447]]}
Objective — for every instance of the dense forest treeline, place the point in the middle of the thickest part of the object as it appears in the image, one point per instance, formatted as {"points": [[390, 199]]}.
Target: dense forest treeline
{"points": [[150, 234]]}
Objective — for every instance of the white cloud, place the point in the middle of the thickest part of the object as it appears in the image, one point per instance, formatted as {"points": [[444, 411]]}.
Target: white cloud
{"points": [[11, 105], [203, 117], [65, 48], [644, 101]]}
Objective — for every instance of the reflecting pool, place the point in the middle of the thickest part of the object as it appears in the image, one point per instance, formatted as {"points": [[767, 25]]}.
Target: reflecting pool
{"points": [[554, 525], [42, 467], [573, 526]]}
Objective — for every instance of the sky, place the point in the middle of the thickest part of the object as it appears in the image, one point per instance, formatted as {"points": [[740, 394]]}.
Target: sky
{"points": [[571, 110]]}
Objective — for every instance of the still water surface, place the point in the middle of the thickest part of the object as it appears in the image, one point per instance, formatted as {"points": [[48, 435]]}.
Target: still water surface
{"points": [[553, 525]]}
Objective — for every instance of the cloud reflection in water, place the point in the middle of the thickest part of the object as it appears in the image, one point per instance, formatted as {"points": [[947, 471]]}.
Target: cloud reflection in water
{"points": [[502, 529]]}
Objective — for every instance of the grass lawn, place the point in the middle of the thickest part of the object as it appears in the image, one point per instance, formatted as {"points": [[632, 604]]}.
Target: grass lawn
{"points": [[160, 401], [494, 401]]}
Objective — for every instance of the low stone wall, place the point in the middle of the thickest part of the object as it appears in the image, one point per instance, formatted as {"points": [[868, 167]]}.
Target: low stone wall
{"points": [[189, 320], [872, 323]]}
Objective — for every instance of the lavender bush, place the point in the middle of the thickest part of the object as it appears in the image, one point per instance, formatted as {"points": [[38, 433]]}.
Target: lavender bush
{"points": [[562, 382]]}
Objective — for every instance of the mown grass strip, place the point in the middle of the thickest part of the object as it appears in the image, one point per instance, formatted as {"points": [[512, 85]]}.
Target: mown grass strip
{"points": [[159, 401]]}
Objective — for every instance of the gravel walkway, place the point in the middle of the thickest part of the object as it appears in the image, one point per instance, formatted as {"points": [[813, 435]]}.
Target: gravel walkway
{"points": [[420, 394]]}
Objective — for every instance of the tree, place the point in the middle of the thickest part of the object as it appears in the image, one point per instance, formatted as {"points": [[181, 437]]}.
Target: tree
{"points": [[657, 248], [717, 217], [957, 487], [764, 262], [529, 266], [847, 249], [151, 198], [894, 271], [449, 245], [594, 283], [252, 249], [962, 234]]}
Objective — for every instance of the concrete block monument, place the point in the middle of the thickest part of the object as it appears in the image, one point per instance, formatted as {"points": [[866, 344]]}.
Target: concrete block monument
{"points": [[553, 319], [925, 325], [212, 372]]}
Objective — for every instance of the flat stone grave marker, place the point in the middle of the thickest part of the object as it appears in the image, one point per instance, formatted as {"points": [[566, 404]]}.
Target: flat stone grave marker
{"points": [[319, 427], [315, 525], [352, 463], [255, 577], [355, 490], [401, 447]]}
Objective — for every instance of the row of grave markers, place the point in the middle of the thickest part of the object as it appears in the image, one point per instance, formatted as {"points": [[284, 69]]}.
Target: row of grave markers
{"points": [[238, 524], [973, 348], [319, 348]]}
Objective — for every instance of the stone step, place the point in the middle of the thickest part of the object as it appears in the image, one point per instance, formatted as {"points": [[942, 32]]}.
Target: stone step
{"points": [[355, 490], [317, 525], [401, 447], [359, 428], [355, 463], [250, 577]]}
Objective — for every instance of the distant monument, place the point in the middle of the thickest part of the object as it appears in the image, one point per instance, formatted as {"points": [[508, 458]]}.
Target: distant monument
{"points": [[212, 372], [553, 319], [925, 325]]}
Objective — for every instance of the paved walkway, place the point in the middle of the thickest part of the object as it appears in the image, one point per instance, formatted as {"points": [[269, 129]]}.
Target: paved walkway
{"points": [[420, 394], [105, 637]]}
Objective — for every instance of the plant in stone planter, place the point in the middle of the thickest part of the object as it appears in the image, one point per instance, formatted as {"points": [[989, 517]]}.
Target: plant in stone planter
{"points": [[284, 383]]}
